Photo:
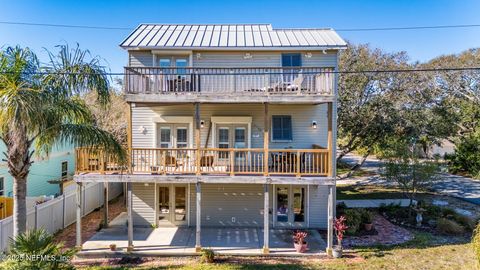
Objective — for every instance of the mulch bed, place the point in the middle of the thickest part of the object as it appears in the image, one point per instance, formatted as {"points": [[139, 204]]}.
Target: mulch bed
{"points": [[90, 223], [387, 234]]}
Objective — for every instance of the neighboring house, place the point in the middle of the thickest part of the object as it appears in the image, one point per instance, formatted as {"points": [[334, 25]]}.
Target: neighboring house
{"points": [[44, 170], [229, 125]]}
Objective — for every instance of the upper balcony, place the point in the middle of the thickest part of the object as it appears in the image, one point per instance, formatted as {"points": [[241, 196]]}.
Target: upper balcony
{"points": [[230, 85]]}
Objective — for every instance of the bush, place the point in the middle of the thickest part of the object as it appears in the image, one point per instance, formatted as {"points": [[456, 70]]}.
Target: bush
{"points": [[354, 220], [208, 256], [367, 216], [447, 226], [465, 221], [476, 243], [341, 207], [466, 157], [38, 242]]}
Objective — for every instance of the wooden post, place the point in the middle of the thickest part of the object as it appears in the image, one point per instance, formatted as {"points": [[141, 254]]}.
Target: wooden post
{"points": [[129, 217], [198, 245], [266, 220], [330, 140], [232, 162], [197, 138], [79, 216], [330, 221], [298, 172], [105, 204], [266, 127]]}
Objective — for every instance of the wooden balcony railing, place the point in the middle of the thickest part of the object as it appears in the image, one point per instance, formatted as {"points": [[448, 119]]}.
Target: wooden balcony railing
{"points": [[299, 81], [212, 161]]}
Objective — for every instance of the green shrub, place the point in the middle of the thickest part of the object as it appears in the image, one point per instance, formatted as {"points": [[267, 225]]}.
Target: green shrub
{"points": [[341, 207], [476, 243], [354, 220], [367, 216], [465, 221], [41, 243], [447, 226], [208, 256], [467, 156]]}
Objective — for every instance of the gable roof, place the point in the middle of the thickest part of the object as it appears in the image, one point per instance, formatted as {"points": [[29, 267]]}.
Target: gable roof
{"points": [[230, 36]]}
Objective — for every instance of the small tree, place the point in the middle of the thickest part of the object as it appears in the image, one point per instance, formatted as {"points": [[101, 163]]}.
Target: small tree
{"points": [[404, 168]]}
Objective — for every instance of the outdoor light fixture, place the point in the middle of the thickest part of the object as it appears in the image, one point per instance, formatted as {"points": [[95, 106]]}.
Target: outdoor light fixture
{"points": [[314, 124], [142, 130], [247, 56], [308, 55], [202, 123], [324, 51], [199, 56]]}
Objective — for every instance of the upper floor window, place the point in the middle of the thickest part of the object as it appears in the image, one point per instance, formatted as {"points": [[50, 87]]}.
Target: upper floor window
{"points": [[291, 60], [64, 169], [2, 186], [282, 128]]}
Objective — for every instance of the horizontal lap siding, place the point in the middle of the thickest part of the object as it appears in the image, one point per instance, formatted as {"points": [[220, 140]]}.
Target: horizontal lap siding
{"points": [[222, 202], [143, 204], [318, 199], [140, 59], [302, 116]]}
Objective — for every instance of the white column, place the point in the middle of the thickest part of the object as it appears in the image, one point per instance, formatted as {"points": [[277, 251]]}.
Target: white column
{"points": [[198, 245], [129, 216], [266, 221], [105, 204], [79, 215], [330, 221]]}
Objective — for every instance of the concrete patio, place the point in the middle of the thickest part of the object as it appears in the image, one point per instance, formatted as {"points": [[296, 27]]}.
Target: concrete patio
{"points": [[180, 241]]}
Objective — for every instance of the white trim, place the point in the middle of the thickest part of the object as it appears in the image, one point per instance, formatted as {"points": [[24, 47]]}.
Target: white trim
{"points": [[171, 52], [231, 120]]}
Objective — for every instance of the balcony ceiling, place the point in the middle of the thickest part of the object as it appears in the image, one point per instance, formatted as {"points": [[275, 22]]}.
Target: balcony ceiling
{"points": [[230, 36]]}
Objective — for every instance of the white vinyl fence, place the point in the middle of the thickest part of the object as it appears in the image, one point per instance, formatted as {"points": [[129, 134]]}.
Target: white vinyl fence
{"points": [[60, 212]]}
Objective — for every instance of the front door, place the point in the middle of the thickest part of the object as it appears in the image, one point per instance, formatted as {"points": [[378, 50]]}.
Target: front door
{"points": [[290, 204], [172, 205]]}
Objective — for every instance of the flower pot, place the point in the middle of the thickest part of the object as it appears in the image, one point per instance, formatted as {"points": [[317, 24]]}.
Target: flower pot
{"points": [[368, 226], [337, 252], [113, 247], [300, 247]]}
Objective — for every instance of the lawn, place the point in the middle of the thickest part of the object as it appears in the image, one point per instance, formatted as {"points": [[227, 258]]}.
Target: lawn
{"points": [[366, 192], [426, 251]]}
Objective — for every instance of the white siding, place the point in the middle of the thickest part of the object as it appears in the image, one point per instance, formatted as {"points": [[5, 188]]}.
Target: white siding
{"points": [[302, 116], [318, 200], [143, 198], [140, 59]]}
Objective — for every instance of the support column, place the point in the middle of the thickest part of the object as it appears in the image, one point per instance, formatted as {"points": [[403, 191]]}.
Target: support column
{"points": [[79, 216], [266, 221], [331, 158], [330, 221], [129, 217], [198, 245], [197, 138], [266, 139], [129, 137], [105, 204]]}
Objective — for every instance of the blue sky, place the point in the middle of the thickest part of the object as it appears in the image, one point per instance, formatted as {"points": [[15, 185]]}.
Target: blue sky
{"points": [[420, 44]]}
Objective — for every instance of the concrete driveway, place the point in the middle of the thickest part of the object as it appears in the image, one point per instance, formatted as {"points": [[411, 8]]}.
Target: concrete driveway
{"points": [[181, 241]]}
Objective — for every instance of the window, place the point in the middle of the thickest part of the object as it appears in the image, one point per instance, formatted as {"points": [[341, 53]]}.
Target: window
{"points": [[182, 137], [223, 138], [64, 170], [164, 137], [2, 186], [281, 128], [291, 60], [181, 64]]}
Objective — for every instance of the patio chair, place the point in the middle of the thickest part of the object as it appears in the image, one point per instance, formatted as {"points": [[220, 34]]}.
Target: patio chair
{"points": [[296, 85], [206, 161]]}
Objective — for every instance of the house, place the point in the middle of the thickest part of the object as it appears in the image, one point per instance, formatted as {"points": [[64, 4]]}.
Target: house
{"points": [[229, 126], [46, 173]]}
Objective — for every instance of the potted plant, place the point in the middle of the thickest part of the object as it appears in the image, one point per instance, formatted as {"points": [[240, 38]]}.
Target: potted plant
{"points": [[113, 247], [299, 241], [367, 219], [340, 226]]}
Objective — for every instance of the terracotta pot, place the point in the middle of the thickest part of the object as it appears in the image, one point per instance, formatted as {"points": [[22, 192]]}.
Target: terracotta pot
{"points": [[300, 247], [337, 252], [368, 226]]}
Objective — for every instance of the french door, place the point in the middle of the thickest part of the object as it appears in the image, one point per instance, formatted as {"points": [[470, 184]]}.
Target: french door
{"points": [[232, 136], [172, 205], [290, 204]]}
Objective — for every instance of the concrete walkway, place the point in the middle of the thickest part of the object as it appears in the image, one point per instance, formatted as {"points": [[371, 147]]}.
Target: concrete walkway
{"points": [[180, 241], [374, 203], [464, 188]]}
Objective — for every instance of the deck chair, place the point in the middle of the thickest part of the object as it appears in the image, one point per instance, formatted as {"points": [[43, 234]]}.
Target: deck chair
{"points": [[296, 85], [206, 161]]}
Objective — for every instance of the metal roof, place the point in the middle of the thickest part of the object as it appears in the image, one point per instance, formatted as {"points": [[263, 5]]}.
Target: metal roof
{"points": [[229, 36]]}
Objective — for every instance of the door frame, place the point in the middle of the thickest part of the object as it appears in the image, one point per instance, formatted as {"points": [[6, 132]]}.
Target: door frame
{"points": [[171, 120], [231, 120], [171, 204], [290, 223]]}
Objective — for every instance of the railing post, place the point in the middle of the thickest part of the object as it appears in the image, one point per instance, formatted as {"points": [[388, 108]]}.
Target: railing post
{"points": [[232, 162], [298, 171]]}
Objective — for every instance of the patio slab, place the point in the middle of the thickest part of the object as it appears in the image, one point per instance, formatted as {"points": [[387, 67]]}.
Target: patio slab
{"points": [[180, 241]]}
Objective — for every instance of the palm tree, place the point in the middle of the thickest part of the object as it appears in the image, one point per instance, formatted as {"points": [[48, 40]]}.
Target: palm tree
{"points": [[41, 106]]}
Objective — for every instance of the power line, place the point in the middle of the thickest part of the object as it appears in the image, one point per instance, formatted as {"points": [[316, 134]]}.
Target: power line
{"points": [[338, 29], [304, 72]]}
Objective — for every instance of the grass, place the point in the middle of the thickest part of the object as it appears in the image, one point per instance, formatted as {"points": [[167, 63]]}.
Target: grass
{"points": [[366, 192]]}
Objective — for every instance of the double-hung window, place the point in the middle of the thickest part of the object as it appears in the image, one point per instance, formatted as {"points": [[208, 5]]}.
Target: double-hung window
{"points": [[282, 128]]}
